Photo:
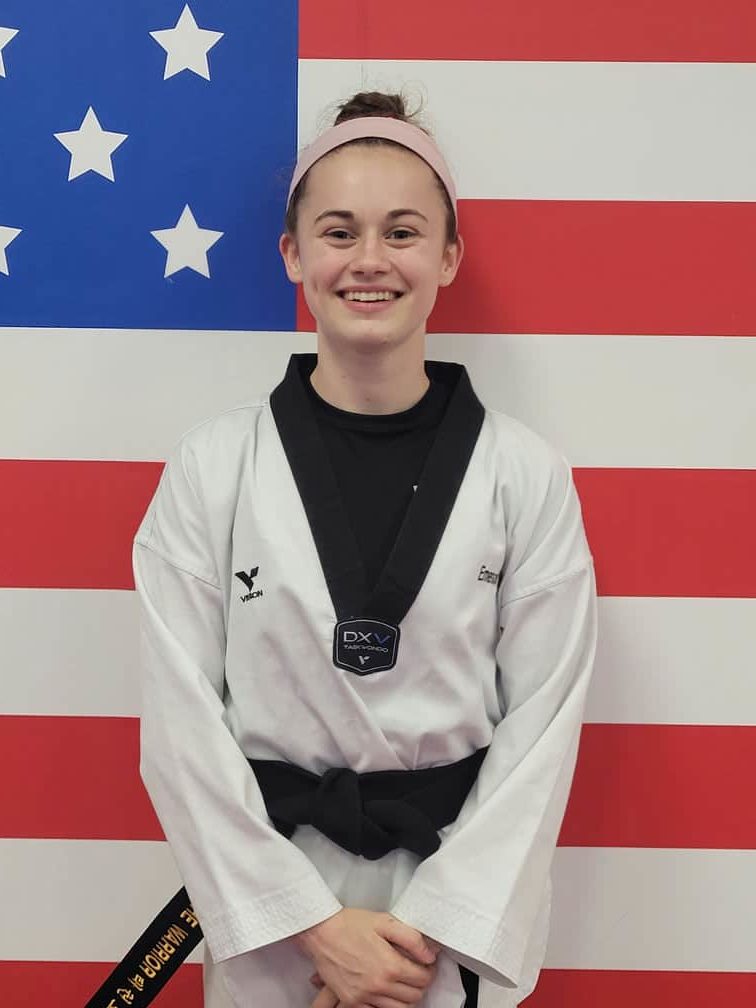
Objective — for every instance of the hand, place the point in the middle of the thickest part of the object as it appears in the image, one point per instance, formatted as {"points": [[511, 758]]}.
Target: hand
{"points": [[356, 960], [328, 999], [317, 981]]}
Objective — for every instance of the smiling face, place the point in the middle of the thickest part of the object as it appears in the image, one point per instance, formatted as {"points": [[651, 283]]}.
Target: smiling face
{"points": [[370, 248]]}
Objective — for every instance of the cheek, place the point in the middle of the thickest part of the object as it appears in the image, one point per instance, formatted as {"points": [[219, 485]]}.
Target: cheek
{"points": [[424, 265], [424, 275], [322, 271]]}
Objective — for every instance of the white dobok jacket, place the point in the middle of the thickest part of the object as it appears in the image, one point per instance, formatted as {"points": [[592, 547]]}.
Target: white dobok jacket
{"points": [[244, 564]]}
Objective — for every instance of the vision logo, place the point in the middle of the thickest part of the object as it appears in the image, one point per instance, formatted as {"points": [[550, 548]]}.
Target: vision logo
{"points": [[248, 580]]}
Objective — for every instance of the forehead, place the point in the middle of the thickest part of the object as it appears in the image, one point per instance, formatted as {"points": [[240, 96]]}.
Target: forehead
{"points": [[372, 176]]}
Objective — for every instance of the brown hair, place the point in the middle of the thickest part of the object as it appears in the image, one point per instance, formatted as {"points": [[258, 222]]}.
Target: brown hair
{"points": [[373, 103]]}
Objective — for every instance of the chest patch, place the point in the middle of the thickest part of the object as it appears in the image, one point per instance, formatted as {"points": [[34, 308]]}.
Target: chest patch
{"points": [[365, 646]]}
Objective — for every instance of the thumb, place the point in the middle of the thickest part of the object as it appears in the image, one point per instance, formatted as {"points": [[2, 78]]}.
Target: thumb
{"points": [[407, 938]]}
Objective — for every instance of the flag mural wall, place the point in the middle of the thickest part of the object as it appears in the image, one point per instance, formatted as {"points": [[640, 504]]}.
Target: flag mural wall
{"points": [[608, 203]]}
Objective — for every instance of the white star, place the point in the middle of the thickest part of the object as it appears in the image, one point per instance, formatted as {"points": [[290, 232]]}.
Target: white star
{"points": [[91, 147], [187, 244], [7, 234], [6, 34], [187, 46]]}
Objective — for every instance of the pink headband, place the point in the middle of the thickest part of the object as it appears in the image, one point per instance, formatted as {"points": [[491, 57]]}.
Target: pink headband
{"points": [[409, 136]]}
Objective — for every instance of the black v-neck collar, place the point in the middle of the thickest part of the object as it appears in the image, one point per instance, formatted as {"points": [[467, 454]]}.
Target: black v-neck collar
{"points": [[427, 514]]}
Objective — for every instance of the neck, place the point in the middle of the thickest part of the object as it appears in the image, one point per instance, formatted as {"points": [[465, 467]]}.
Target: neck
{"points": [[360, 382]]}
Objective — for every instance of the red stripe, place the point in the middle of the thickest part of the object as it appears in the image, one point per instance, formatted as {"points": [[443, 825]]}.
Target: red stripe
{"points": [[73, 778], [66, 524], [633, 989], [673, 786], [599, 267], [677, 786], [672, 532], [665, 30], [71, 984]]}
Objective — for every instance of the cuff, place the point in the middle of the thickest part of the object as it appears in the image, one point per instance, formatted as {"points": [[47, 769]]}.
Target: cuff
{"points": [[270, 918], [476, 942]]}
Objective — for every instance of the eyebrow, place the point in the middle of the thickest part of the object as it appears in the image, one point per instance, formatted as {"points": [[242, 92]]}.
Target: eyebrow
{"points": [[348, 215]]}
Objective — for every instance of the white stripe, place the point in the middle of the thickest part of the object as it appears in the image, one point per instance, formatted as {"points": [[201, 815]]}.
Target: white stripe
{"points": [[567, 130], [682, 402], [647, 909], [81, 900], [69, 653], [674, 661], [139, 391], [603, 401], [613, 908], [660, 660]]}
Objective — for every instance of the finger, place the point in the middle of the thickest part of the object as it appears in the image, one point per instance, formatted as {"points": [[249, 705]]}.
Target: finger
{"points": [[386, 1001], [398, 994], [409, 977], [432, 944], [406, 937], [406, 971], [325, 999]]}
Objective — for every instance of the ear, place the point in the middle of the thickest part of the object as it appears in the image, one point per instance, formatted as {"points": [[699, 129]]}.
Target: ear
{"points": [[452, 257], [287, 246]]}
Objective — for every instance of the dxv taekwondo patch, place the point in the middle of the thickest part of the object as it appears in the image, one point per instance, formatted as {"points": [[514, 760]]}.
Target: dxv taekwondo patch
{"points": [[364, 646], [366, 636]]}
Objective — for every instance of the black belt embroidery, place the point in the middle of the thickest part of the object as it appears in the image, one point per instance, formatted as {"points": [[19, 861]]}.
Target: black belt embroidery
{"points": [[153, 959]]}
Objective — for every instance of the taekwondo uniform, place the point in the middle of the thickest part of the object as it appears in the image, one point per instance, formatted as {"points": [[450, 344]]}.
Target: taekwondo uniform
{"points": [[263, 642]]}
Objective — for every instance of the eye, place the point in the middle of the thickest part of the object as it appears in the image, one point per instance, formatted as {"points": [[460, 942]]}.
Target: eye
{"points": [[339, 234], [402, 233]]}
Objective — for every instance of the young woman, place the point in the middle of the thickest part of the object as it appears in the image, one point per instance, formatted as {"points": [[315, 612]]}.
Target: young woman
{"points": [[369, 624]]}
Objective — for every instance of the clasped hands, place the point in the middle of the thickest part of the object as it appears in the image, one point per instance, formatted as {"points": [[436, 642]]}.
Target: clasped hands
{"points": [[366, 959]]}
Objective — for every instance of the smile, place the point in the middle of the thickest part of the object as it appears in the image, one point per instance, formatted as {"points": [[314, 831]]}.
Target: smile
{"points": [[369, 302], [370, 295]]}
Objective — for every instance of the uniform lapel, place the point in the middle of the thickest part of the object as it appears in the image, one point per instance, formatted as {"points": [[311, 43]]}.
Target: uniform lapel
{"points": [[426, 517], [432, 503], [318, 489]]}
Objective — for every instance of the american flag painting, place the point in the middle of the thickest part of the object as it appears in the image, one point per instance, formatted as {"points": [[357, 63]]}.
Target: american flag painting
{"points": [[605, 157]]}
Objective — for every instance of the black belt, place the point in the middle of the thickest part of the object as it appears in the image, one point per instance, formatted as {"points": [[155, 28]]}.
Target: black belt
{"points": [[369, 814]]}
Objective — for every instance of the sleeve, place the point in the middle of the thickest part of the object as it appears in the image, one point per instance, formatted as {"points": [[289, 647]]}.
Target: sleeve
{"points": [[480, 893], [249, 885]]}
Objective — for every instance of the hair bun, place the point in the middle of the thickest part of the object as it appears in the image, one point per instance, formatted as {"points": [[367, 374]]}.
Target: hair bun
{"points": [[373, 103]]}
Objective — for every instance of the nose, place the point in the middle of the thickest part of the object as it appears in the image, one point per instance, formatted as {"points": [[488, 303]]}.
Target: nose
{"points": [[369, 254]]}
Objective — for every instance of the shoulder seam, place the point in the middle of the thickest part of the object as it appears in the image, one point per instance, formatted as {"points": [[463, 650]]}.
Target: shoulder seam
{"points": [[173, 563], [260, 404], [548, 583]]}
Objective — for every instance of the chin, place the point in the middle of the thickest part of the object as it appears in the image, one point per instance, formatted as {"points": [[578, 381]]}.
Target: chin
{"points": [[371, 338]]}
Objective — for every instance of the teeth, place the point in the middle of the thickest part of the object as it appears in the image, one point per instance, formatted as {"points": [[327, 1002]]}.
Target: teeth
{"points": [[370, 295]]}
